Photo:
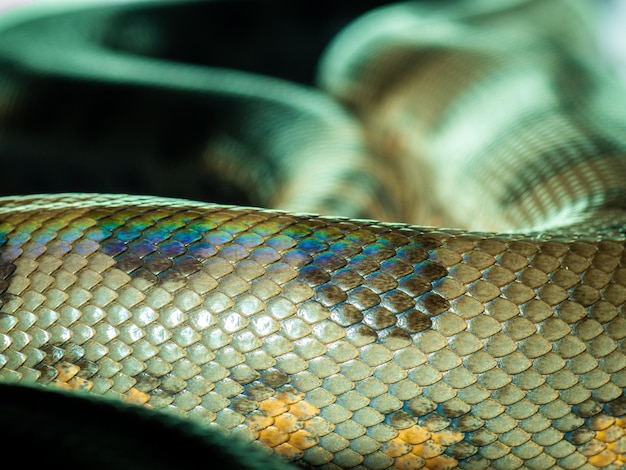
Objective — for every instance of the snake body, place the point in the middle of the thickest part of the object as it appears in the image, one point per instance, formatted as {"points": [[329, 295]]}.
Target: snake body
{"points": [[336, 342]]}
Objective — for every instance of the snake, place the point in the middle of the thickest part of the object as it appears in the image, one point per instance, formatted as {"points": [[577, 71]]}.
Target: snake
{"points": [[317, 311]]}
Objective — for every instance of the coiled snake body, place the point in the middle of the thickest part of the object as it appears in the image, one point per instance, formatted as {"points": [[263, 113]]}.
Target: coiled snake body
{"points": [[337, 342]]}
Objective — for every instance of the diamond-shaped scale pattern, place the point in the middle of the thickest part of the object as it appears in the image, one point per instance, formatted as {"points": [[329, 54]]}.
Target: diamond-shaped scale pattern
{"points": [[337, 343]]}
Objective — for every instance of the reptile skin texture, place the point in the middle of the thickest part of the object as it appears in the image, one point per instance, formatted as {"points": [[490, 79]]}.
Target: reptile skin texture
{"points": [[339, 342]]}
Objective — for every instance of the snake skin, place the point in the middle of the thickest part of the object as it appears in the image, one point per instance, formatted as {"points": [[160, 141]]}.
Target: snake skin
{"points": [[343, 343]]}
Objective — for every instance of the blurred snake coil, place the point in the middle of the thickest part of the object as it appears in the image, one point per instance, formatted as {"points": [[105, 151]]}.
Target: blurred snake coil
{"points": [[362, 338]]}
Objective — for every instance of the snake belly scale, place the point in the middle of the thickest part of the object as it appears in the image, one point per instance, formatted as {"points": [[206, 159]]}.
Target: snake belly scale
{"points": [[342, 343]]}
